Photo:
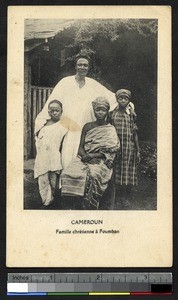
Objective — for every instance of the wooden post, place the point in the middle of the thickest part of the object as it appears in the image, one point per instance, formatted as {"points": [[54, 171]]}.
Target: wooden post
{"points": [[27, 107], [44, 96], [34, 114]]}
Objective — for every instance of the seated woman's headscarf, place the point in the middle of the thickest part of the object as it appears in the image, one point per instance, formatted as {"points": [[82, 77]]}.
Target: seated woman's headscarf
{"points": [[101, 102]]}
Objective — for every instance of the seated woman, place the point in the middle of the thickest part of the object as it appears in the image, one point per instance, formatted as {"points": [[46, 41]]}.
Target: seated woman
{"points": [[89, 173]]}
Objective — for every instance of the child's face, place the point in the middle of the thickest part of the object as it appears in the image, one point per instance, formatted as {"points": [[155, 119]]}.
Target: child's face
{"points": [[100, 113], [123, 101], [55, 111]]}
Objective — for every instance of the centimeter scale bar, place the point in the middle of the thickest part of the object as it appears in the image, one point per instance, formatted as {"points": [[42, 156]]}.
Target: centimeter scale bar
{"points": [[89, 284]]}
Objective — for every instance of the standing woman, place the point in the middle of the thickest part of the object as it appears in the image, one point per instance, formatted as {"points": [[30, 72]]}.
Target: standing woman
{"points": [[76, 94], [126, 161]]}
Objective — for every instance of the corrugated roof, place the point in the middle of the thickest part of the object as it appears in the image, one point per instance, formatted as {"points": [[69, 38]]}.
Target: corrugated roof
{"points": [[44, 28]]}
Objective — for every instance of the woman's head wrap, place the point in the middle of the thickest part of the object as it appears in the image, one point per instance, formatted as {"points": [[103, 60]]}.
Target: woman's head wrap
{"points": [[123, 92], [82, 54], [101, 102]]}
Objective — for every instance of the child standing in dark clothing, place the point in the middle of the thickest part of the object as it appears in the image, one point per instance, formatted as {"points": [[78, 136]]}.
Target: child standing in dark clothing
{"points": [[126, 161]]}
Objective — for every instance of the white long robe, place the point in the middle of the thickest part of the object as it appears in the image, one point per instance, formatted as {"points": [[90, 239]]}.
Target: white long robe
{"points": [[77, 110]]}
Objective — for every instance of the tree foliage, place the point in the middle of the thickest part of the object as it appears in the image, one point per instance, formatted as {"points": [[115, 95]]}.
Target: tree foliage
{"points": [[124, 55], [86, 31]]}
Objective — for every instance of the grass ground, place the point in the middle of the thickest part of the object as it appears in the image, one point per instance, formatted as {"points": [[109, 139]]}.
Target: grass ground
{"points": [[143, 195]]}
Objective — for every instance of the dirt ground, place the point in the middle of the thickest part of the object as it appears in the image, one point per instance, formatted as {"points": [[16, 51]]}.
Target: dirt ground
{"points": [[143, 196]]}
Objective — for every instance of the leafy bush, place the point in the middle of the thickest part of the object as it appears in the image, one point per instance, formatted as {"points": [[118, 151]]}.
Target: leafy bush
{"points": [[148, 163]]}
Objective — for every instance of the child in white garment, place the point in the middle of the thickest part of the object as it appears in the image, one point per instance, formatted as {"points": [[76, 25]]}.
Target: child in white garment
{"points": [[48, 159]]}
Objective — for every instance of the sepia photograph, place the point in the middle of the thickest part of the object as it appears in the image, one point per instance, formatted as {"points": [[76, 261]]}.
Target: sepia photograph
{"points": [[89, 129], [90, 114]]}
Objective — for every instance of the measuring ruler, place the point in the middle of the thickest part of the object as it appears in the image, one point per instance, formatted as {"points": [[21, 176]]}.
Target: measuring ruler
{"points": [[89, 284]]}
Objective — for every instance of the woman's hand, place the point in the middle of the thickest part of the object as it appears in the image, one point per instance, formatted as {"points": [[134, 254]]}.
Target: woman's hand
{"points": [[95, 157], [94, 161], [109, 163], [86, 158]]}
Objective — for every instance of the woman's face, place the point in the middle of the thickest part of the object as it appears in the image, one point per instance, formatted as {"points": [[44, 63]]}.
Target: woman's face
{"points": [[82, 66], [55, 111], [123, 101], [100, 113]]}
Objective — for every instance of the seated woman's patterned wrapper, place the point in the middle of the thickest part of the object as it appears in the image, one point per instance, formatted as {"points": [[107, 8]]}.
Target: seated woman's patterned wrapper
{"points": [[87, 179]]}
